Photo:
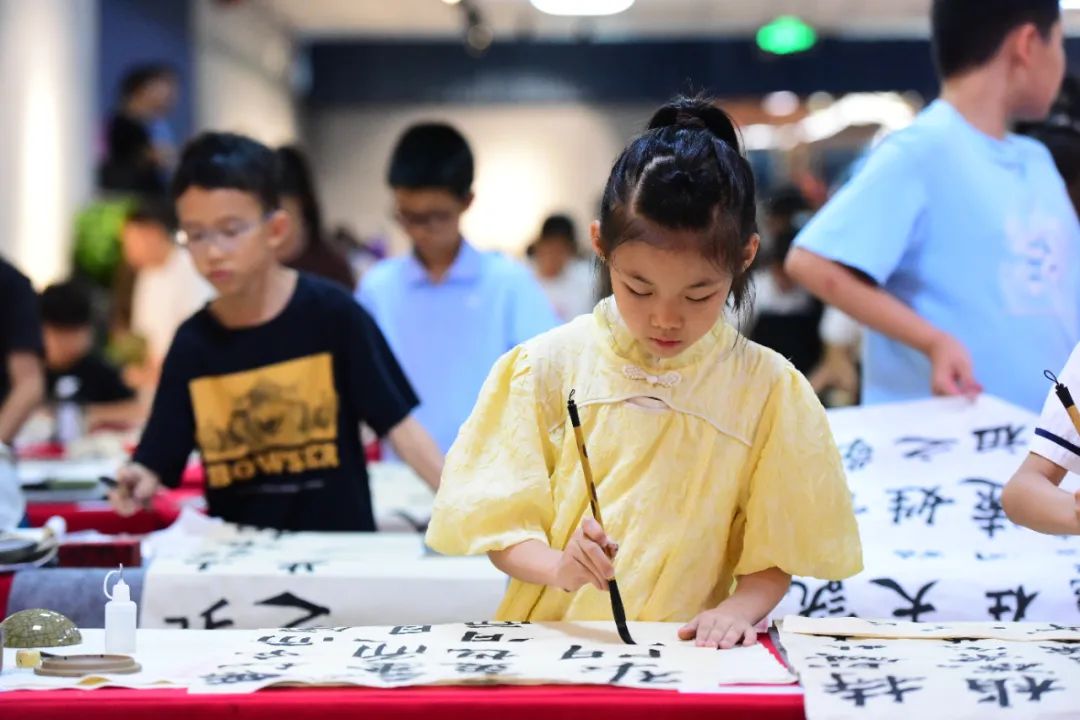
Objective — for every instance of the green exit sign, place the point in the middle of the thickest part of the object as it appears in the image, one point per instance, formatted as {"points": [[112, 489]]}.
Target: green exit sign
{"points": [[786, 35]]}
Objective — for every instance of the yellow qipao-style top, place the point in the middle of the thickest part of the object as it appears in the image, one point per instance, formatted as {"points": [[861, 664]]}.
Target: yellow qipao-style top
{"points": [[710, 465]]}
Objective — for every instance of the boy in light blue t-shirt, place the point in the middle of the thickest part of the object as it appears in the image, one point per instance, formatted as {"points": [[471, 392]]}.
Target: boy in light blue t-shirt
{"points": [[957, 243], [447, 309]]}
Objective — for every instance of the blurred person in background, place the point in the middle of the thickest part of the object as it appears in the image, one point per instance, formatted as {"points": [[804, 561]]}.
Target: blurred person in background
{"points": [[167, 288], [140, 147], [956, 242], [306, 247], [784, 316], [836, 376], [1060, 133], [22, 380], [566, 277], [70, 360], [448, 310]]}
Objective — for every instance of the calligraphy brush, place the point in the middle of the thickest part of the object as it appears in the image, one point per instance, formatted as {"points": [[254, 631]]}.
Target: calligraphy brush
{"points": [[1066, 399], [617, 608]]}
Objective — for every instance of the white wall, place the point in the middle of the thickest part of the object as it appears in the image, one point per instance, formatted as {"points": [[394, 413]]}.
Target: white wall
{"points": [[48, 73], [243, 63], [532, 160]]}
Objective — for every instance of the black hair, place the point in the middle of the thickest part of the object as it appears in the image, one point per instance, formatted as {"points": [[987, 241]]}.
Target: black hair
{"points": [[787, 201], [140, 76], [686, 172], [432, 156], [151, 210], [556, 228], [297, 181], [781, 245], [226, 161], [66, 305], [968, 33], [561, 225]]}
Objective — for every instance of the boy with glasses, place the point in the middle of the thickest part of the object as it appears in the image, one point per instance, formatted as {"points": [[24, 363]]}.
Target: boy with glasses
{"points": [[273, 378], [448, 311]]}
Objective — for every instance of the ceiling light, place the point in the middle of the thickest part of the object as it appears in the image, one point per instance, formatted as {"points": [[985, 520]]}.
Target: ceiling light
{"points": [[1070, 4], [451, 2], [582, 7]]}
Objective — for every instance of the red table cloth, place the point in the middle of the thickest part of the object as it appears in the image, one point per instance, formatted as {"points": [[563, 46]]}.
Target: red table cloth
{"points": [[457, 703]]}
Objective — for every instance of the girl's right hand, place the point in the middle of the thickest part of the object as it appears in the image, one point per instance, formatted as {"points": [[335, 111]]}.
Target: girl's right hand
{"points": [[586, 559]]}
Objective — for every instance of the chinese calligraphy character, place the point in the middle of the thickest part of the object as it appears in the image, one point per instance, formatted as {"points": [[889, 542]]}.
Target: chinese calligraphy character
{"points": [[367, 652], [925, 448], [852, 662], [288, 600], [996, 691], [645, 675], [1070, 651], [1004, 437], [859, 691], [295, 567], [232, 678], [286, 640], [903, 507], [481, 668], [275, 654], [988, 513], [209, 622], [478, 654], [916, 605], [857, 455], [394, 672], [410, 629], [1000, 608], [473, 636], [827, 599]]}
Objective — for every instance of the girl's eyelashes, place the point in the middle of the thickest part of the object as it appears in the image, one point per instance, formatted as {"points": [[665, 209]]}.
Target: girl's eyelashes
{"points": [[635, 293], [707, 298]]}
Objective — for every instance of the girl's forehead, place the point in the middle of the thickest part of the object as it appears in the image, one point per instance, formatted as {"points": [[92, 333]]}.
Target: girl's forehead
{"points": [[648, 261]]}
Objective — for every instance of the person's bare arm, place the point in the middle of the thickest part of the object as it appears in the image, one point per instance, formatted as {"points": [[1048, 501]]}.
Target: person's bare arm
{"points": [[26, 373], [586, 560], [416, 447], [733, 621], [863, 300], [124, 412], [1033, 498]]}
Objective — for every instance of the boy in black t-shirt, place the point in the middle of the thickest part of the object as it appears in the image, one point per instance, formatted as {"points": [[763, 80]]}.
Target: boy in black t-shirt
{"points": [[272, 379], [67, 320], [22, 380]]}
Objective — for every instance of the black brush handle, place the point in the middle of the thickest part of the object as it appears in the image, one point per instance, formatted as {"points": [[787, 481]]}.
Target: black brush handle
{"points": [[619, 612]]}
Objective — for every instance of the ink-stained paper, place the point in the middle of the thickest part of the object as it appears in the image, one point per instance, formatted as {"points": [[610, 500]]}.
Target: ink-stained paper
{"points": [[485, 653], [242, 579], [902, 670], [926, 479]]}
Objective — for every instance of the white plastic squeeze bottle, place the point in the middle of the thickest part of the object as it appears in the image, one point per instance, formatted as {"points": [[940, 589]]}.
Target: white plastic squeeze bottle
{"points": [[120, 616]]}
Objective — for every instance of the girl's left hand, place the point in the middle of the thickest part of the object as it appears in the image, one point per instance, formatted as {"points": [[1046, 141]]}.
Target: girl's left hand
{"points": [[719, 628]]}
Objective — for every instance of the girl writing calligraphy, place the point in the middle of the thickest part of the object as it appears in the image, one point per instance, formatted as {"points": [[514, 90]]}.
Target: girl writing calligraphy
{"points": [[716, 470]]}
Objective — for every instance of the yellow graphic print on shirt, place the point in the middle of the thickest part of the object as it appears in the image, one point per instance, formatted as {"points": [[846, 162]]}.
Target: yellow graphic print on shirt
{"points": [[279, 419]]}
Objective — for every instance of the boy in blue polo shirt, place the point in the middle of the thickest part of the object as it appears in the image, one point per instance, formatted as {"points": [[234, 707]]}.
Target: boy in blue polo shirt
{"points": [[956, 243], [448, 310]]}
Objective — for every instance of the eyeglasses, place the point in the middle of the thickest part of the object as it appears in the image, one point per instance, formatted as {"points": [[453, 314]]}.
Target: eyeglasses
{"points": [[433, 218], [225, 238]]}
